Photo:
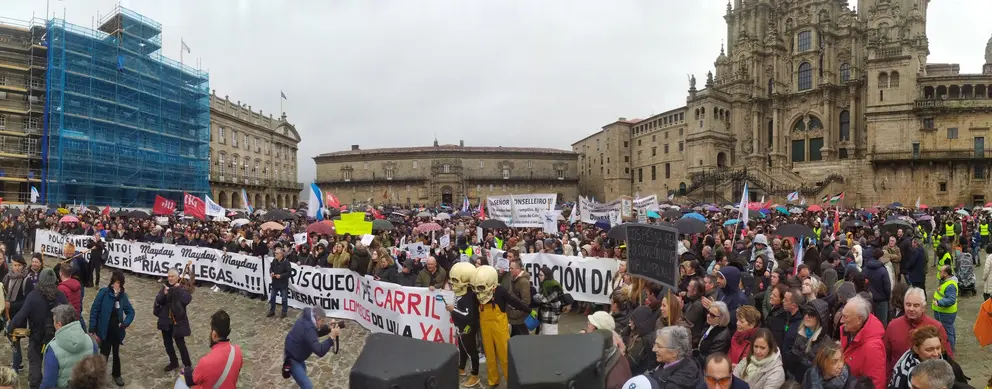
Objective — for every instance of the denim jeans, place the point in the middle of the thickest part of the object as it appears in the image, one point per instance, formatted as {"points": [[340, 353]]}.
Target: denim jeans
{"points": [[284, 290], [16, 356], [947, 320], [299, 372]]}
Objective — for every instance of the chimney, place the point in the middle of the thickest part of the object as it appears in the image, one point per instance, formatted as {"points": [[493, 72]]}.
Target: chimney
{"points": [[354, 147], [621, 119], [214, 92], [461, 143]]}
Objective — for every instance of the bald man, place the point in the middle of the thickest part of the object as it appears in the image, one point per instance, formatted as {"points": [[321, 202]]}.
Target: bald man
{"points": [[433, 276]]}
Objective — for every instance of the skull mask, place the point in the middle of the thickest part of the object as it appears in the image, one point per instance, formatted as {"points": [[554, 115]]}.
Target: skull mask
{"points": [[461, 277], [484, 283]]}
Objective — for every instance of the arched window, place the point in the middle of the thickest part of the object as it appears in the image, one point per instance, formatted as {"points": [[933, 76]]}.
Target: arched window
{"points": [[244, 168], [805, 76], [220, 164], [845, 72], [845, 126], [702, 111], [805, 41], [806, 148], [894, 80], [681, 189], [697, 113], [883, 80], [771, 133]]}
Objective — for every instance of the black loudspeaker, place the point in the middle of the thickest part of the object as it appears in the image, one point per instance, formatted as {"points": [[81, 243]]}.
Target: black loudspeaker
{"points": [[391, 361], [557, 361]]}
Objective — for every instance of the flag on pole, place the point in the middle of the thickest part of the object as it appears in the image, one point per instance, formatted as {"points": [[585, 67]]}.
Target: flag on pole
{"points": [[315, 205], [803, 202], [244, 199], [283, 95], [799, 256], [836, 198], [742, 207], [573, 216], [792, 196], [184, 47], [465, 205], [917, 202], [482, 209], [35, 195]]}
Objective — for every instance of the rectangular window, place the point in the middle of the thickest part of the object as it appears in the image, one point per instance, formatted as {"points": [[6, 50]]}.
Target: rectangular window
{"points": [[561, 174], [506, 174], [942, 186], [668, 170], [625, 144], [952, 133], [979, 172], [415, 165], [805, 40], [389, 174], [681, 131], [681, 147], [799, 150], [654, 173], [640, 175], [346, 175], [979, 147], [247, 145], [638, 142], [666, 148], [446, 168], [626, 158], [220, 134], [666, 134], [654, 151], [482, 164], [916, 150], [365, 165], [815, 144], [234, 139], [928, 123]]}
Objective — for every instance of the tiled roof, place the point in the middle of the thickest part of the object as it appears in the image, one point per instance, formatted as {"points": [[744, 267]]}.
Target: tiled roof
{"points": [[445, 148]]}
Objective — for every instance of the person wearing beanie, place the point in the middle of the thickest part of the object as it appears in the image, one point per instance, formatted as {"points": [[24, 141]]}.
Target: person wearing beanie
{"points": [[36, 314], [407, 276]]}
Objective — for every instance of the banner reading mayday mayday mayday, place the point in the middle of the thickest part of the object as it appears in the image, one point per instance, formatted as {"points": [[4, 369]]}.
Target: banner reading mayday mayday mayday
{"points": [[378, 306], [585, 279], [523, 211], [244, 272]]}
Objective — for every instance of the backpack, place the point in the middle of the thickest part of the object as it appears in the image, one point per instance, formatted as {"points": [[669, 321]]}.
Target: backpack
{"points": [[49, 326]]}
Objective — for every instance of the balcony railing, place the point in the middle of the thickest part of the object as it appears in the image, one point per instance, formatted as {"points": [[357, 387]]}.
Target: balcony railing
{"points": [[961, 154], [968, 103], [519, 177]]}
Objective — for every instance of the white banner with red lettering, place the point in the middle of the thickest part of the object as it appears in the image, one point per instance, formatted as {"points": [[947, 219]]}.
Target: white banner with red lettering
{"points": [[378, 306]]}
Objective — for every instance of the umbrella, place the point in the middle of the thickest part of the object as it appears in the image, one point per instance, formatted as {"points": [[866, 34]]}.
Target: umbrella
{"points": [[696, 216], [872, 210], [712, 209], [962, 212], [925, 217], [259, 212], [618, 233], [492, 224], [441, 216], [12, 212], [654, 215], [222, 218], [795, 231], [424, 214], [603, 224], [814, 208], [852, 224], [782, 210], [272, 226], [796, 210], [895, 204], [137, 215], [896, 224], [382, 225], [69, 219], [323, 227], [755, 214], [92, 208], [672, 214], [428, 227], [731, 222], [690, 225], [239, 222], [729, 207], [279, 214], [395, 219]]}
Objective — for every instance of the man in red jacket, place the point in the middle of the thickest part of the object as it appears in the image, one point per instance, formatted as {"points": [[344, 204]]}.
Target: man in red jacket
{"points": [[861, 339], [897, 333], [223, 362], [72, 289]]}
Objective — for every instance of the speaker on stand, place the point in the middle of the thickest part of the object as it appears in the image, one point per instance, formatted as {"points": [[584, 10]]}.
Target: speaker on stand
{"points": [[391, 361], [557, 361]]}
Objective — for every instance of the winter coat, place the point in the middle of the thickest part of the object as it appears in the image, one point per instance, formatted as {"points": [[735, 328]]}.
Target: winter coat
{"points": [[740, 345], [72, 289], [386, 274], [987, 275], [897, 341], [639, 349], [104, 306], [695, 314], [717, 341], [175, 303], [437, 280], [914, 265], [863, 354], [732, 295], [340, 260], [776, 321], [685, 374], [617, 370], [36, 313], [803, 350], [771, 375], [879, 283], [303, 340], [406, 278], [70, 345], [283, 269], [520, 288], [622, 321]]}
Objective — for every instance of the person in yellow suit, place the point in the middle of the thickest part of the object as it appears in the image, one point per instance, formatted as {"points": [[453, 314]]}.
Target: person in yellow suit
{"points": [[494, 326]]}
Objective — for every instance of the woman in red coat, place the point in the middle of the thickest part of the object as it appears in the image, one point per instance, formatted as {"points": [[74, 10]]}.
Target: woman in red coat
{"points": [[740, 343]]}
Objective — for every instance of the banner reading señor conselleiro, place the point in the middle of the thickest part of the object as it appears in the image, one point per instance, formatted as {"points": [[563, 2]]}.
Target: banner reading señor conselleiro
{"points": [[525, 210]]}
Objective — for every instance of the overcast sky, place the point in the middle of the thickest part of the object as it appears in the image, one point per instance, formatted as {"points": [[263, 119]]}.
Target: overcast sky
{"points": [[387, 73]]}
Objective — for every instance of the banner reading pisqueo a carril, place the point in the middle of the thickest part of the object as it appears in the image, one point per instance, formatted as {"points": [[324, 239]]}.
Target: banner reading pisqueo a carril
{"points": [[378, 306], [240, 271]]}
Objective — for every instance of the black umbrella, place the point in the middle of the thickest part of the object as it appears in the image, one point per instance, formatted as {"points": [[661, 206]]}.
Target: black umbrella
{"points": [[382, 225], [92, 208], [278, 214], [894, 225], [672, 214], [690, 226], [618, 233], [137, 214], [13, 212], [395, 219], [492, 224], [853, 224], [798, 231]]}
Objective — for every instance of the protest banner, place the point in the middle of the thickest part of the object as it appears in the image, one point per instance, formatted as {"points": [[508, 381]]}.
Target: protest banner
{"points": [[526, 210], [652, 253], [240, 271], [586, 279], [592, 211], [378, 306]]}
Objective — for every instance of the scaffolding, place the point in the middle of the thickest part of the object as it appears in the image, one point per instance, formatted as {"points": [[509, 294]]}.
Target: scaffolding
{"points": [[123, 123]]}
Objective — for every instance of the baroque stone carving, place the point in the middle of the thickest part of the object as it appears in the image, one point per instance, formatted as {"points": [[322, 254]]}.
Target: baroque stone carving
{"points": [[747, 145], [988, 51]]}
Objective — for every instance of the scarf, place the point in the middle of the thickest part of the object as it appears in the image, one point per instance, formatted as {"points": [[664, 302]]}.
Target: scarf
{"points": [[548, 286], [15, 284], [903, 367], [753, 365], [838, 382]]}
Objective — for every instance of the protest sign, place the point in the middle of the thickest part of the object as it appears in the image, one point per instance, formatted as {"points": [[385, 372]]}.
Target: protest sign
{"points": [[586, 279], [241, 271], [526, 210], [652, 253], [444, 241], [378, 306], [417, 251], [353, 223]]}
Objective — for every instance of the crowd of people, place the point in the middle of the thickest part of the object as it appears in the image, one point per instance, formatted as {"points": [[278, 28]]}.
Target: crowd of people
{"points": [[756, 306]]}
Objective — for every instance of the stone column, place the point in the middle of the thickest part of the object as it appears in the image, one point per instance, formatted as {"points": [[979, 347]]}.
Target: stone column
{"points": [[828, 126]]}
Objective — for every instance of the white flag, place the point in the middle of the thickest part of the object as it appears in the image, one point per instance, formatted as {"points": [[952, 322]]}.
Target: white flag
{"points": [[35, 195], [213, 209], [743, 205]]}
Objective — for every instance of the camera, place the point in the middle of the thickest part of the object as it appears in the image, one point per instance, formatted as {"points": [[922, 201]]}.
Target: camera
{"points": [[340, 324]]}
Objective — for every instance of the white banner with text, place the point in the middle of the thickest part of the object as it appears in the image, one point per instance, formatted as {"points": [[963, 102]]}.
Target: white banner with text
{"points": [[586, 279], [525, 210]]}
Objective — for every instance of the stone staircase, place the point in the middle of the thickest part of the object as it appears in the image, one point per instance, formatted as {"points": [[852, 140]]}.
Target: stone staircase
{"points": [[774, 183]]}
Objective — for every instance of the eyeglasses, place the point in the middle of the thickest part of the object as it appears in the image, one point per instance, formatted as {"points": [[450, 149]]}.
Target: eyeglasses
{"points": [[722, 382], [711, 314]]}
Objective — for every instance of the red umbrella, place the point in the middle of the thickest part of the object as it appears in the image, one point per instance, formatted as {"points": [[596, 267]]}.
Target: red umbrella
{"points": [[324, 227], [872, 210], [69, 219], [428, 227], [814, 208]]}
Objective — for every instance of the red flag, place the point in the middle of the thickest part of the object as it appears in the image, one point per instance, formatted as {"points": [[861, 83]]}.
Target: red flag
{"points": [[106, 211], [194, 206], [482, 210], [331, 201], [376, 214], [163, 206], [836, 221]]}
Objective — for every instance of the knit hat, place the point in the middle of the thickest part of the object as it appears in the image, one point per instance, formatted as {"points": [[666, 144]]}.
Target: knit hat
{"points": [[642, 381], [47, 277], [602, 321]]}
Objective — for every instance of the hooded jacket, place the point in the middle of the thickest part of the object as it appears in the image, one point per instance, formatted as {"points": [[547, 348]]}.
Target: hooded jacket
{"points": [[639, 349], [804, 348], [519, 288], [878, 280], [732, 294], [69, 346], [71, 288], [865, 351]]}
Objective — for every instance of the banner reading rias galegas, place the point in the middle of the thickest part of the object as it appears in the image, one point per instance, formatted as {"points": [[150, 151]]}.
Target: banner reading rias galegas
{"points": [[526, 210]]}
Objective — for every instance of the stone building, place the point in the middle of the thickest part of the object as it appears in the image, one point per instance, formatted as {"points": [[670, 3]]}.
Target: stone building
{"points": [[445, 174], [816, 97], [252, 151]]}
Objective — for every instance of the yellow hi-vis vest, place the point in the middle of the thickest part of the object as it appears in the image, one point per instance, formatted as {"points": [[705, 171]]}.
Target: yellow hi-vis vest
{"points": [[945, 260], [816, 232], [499, 243], [949, 229], [983, 229], [467, 251], [939, 294]]}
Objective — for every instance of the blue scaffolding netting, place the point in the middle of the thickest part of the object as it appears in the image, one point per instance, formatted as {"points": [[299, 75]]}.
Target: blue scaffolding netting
{"points": [[123, 123]]}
